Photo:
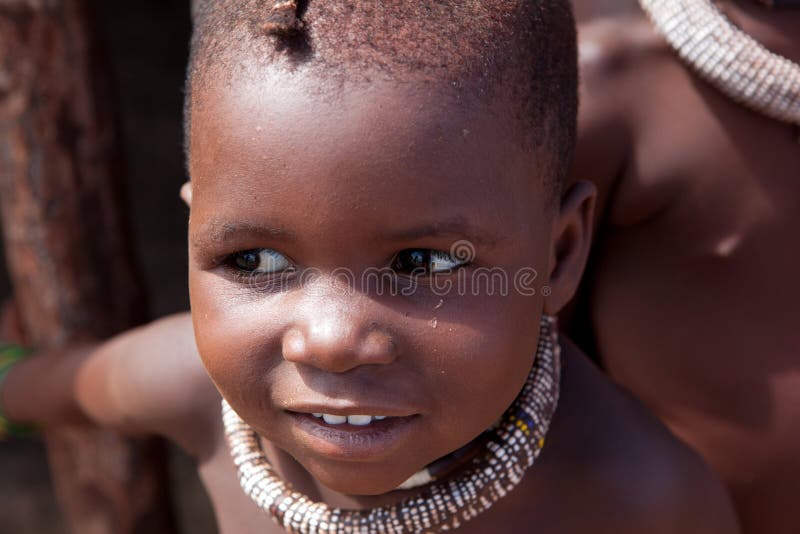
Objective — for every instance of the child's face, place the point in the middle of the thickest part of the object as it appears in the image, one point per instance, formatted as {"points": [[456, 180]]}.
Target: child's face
{"points": [[284, 178]]}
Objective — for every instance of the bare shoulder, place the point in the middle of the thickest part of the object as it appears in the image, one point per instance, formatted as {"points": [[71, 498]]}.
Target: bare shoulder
{"points": [[616, 64], [586, 10], [626, 470], [615, 46]]}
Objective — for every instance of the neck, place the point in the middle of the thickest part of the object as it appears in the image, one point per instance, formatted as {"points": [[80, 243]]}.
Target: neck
{"points": [[776, 29]]}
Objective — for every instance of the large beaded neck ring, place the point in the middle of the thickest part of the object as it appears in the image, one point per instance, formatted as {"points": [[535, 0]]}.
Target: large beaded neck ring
{"points": [[511, 448], [727, 58]]}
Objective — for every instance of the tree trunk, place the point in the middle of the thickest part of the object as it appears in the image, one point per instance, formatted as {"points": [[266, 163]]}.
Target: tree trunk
{"points": [[68, 246]]}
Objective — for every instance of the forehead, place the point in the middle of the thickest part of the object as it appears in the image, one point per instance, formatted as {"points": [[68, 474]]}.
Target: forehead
{"points": [[286, 143]]}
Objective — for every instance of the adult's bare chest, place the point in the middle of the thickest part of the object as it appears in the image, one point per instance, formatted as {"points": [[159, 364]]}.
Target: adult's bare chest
{"points": [[695, 288]]}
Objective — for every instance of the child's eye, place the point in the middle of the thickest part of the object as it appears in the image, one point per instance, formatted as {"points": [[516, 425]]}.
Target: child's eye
{"points": [[259, 260], [424, 261]]}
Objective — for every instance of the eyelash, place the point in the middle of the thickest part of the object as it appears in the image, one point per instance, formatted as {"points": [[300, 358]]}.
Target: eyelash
{"points": [[422, 259], [253, 279], [427, 256]]}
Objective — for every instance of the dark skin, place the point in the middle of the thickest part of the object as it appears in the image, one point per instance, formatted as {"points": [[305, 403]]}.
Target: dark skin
{"points": [[389, 168], [692, 290]]}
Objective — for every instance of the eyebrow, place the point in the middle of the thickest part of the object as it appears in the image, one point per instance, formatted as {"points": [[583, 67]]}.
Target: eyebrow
{"points": [[220, 232], [458, 227]]}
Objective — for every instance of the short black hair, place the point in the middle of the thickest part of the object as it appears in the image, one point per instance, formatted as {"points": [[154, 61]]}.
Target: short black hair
{"points": [[526, 47]]}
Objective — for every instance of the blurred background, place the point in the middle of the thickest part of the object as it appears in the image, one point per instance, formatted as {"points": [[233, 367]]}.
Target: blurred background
{"points": [[147, 43]]}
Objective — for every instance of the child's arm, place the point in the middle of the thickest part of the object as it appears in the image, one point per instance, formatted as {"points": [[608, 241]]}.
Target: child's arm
{"points": [[147, 380]]}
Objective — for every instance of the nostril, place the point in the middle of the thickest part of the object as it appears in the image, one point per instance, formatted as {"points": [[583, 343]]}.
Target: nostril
{"points": [[378, 347]]}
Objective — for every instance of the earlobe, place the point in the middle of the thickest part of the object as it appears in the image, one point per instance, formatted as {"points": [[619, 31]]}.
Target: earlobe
{"points": [[571, 242], [186, 193]]}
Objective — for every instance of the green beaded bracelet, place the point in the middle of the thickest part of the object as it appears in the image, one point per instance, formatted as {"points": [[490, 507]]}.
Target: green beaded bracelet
{"points": [[9, 355]]}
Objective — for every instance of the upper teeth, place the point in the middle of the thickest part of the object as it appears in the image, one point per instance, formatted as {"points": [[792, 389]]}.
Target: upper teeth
{"points": [[358, 420]]}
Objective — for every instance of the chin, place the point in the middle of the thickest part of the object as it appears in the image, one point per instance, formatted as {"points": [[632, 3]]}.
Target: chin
{"points": [[358, 480]]}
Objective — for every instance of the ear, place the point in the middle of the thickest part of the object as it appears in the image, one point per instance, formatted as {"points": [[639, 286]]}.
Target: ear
{"points": [[186, 193], [572, 239]]}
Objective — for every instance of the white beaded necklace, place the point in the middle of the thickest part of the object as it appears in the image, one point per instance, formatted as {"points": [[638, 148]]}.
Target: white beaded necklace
{"points": [[728, 58], [508, 453]]}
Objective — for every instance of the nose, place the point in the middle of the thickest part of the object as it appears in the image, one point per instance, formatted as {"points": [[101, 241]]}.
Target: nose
{"points": [[337, 340]]}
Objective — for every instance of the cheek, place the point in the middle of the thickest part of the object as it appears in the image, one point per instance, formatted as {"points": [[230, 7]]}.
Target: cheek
{"points": [[236, 341], [482, 354]]}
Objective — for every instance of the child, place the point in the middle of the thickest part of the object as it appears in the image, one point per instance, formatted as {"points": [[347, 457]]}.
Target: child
{"points": [[423, 143], [693, 299]]}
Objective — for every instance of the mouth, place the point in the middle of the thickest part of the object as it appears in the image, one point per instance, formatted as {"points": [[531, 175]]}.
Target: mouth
{"points": [[353, 436], [354, 420]]}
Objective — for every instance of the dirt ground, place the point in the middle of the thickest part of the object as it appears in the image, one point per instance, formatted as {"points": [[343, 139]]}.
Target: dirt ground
{"points": [[147, 41]]}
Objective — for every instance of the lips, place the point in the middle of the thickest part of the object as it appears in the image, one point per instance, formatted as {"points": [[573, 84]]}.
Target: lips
{"points": [[353, 436]]}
